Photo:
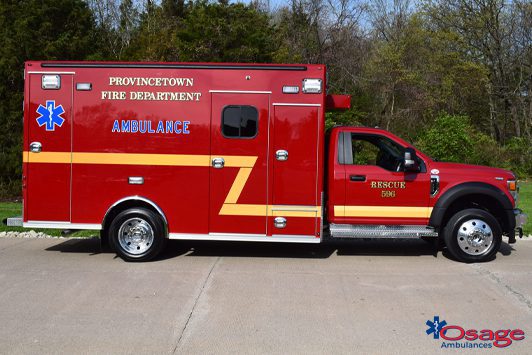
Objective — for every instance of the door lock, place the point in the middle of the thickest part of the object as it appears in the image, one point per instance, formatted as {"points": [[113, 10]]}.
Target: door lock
{"points": [[281, 155], [218, 163], [35, 147], [279, 222]]}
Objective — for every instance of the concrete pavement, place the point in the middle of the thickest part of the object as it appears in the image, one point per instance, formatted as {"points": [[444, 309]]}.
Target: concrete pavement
{"points": [[65, 296]]}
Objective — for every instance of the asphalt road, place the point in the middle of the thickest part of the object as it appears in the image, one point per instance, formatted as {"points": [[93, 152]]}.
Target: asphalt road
{"points": [[66, 296]]}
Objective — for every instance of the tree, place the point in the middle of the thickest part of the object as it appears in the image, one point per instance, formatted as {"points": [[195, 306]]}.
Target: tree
{"points": [[34, 30], [496, 34], [223, 32]]}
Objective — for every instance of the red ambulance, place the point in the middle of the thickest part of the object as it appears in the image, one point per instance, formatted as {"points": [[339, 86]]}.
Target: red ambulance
{"points": [[146, 152]]}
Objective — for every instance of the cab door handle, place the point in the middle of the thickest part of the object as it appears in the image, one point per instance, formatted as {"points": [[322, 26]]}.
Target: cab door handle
{"points": [[357, 177]]}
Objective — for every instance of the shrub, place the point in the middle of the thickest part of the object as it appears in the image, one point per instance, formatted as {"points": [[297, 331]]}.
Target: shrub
{"points": [[518, 154], [450, 138]]}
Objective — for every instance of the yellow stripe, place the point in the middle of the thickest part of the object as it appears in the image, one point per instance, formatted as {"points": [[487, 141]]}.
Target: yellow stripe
{"points": [[230, 206], [141, 159], [136, 159], [382, 211], [238, 185], [46, 157], [237, 161], [339, 211], [230, 209]]}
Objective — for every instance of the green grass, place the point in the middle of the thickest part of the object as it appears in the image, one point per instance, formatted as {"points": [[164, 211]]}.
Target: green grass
{"points": [[13, 209], [525, 203]]}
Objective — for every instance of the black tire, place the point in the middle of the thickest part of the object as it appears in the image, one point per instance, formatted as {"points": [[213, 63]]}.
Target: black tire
{"points": [[472, 235], [137, 234]]}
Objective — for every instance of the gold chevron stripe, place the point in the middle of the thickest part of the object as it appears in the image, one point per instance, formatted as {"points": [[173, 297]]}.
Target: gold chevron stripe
{"points": [[230, 206]]}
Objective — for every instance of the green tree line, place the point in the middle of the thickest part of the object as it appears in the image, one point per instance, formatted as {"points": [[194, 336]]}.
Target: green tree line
{"points": [[452, 76]]}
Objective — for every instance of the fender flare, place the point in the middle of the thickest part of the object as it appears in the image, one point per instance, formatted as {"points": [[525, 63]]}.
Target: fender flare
{"points": [[135, 198], [470, 188]]}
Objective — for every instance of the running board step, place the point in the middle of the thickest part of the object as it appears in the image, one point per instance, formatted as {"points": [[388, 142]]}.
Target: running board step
{"points": [[380, 231], [13, 221]]}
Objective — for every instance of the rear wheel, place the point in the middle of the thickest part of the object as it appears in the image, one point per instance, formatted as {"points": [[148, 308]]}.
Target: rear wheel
{"points": [[473, 235], [137, 234]]}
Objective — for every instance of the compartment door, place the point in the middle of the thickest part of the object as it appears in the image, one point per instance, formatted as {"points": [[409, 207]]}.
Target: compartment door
{"points": [[239, 163], [295, 167], [47, 150]]}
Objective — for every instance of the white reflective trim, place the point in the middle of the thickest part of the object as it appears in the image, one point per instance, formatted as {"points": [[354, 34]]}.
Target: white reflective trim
{"points": [[294, 236], [136, 198], [294, 104], [238, 234], [239, 92], [52, 72], [246, 237], [60, 225]]}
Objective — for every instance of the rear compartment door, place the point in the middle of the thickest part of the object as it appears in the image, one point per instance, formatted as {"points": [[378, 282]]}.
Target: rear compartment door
{"points": [[47, 150], [239, 163], [294, 158]]}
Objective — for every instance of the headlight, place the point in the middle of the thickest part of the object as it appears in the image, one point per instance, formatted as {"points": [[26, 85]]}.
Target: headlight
{"points": [[514, 189]]}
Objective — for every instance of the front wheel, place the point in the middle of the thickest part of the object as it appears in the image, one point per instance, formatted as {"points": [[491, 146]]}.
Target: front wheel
{"points": [[473, 235], [137, 234]]}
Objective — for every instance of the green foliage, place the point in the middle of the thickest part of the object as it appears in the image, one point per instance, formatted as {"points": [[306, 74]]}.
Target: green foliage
{"points": [[34, 30], [525, 203], [352, 117], [295, 34], [518, 153], [450, 138], [469, 61], [454, 138], [223, 32]]}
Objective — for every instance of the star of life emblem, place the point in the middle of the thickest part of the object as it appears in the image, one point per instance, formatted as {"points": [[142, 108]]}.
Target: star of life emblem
{"points": [[50, 115], [434, 326]]}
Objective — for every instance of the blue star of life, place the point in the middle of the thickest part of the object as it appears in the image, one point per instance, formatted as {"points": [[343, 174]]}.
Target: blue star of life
{"points": [[435, 326], [50, 115]]}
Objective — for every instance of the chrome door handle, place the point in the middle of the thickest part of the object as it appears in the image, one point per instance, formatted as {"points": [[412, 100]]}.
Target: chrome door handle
{"points": [[218, 163], [35, 147], [279, 222], [281, 155]]}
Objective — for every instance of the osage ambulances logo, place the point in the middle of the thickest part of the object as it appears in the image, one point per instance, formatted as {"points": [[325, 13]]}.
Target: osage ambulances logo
{"points": [[455, 336], [50, 115]]}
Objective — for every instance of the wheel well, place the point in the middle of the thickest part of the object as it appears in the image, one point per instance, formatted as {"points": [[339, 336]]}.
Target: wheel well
{"points": [[122, 206], [480, 201]]}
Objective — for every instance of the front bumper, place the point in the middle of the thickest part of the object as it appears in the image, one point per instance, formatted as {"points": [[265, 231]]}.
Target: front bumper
{"points": [[520, 221]]}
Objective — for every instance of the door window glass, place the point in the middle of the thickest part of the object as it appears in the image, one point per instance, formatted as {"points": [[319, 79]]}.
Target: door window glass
{"points": [[239, 121], [377, 150]]}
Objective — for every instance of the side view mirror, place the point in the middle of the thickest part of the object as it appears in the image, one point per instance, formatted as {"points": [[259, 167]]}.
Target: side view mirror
{"points": [[410, 161]]}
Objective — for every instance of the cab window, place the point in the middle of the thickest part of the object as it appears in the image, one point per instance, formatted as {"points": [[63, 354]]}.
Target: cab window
{"points": [[376, 150]]}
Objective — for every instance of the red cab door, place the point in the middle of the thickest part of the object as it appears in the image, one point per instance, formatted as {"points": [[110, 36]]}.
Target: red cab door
{"points": [[239, 163], [378, 190], [47, 150]]}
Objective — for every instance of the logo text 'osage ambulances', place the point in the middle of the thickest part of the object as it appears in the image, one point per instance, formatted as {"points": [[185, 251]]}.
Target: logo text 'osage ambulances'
{"points": [[455, 336]]}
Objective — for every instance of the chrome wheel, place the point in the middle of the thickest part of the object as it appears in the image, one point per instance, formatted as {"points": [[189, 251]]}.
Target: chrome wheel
{"points": [[475, 237], [135, 236]]}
